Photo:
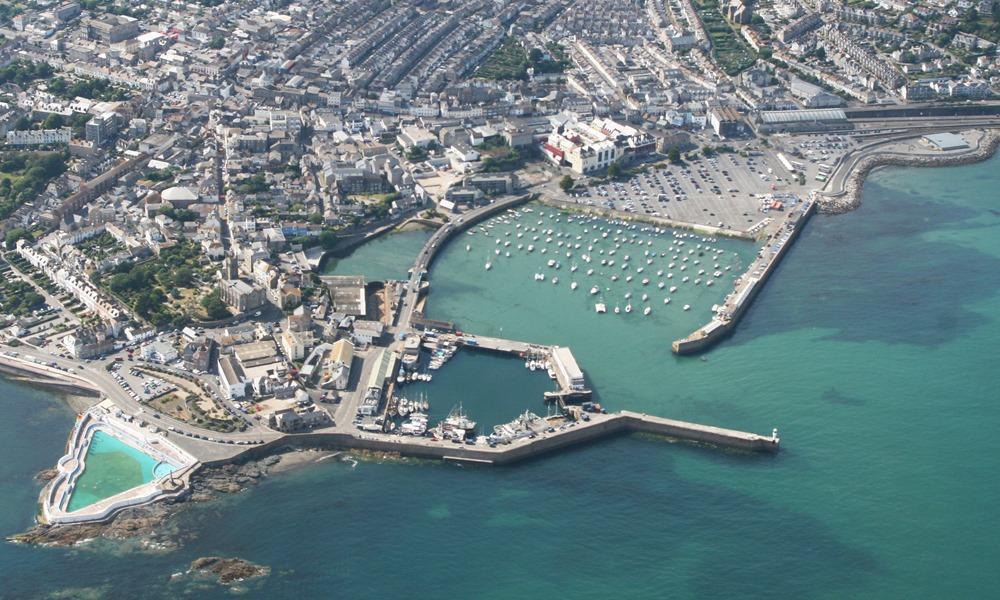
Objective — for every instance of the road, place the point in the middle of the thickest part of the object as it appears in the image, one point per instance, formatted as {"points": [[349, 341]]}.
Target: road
{"points": [[412, 292], [99, 378]]}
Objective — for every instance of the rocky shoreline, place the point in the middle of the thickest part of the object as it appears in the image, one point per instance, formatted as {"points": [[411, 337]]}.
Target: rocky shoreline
{"points": [[850, 198], [148, 526], [146, 523]]}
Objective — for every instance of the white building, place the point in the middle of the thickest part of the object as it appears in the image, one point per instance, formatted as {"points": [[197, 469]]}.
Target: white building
{"points": [[593, 146], [158, 351], [232, 379], [39, 137]]}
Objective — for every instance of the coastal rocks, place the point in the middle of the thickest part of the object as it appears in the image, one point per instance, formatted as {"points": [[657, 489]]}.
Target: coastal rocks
{"points": [[229, 479], [229, 570], [850, 198], [145, 524], [46, 474], [130, 523]]}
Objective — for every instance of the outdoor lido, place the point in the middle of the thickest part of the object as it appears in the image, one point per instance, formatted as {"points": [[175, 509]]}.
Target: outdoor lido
{"points": [[599, 266], [112, 464]]}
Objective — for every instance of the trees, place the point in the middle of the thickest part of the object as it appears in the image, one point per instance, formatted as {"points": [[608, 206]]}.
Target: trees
{"points": [[17, 233], [214, 307], [53, 121], [23, 73], [217, 43], [614, 170], [566, 183], [674, 156]]}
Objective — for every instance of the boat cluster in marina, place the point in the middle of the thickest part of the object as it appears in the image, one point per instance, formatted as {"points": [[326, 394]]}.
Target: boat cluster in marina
{"points": [[526, 425], [607, 255]]}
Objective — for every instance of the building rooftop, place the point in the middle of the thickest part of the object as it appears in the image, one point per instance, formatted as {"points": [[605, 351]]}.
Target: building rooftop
{"points": [[946, 141]]}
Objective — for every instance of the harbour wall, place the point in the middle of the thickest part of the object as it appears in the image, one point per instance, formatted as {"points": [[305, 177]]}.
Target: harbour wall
{"points": [[599, 427], [47, 376], [716, 330], [610, 213], [441, 238]]}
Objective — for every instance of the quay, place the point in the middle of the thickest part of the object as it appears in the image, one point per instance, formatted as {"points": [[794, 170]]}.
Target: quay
{"points": [[539, 443], [747, 286], [615, 214]]}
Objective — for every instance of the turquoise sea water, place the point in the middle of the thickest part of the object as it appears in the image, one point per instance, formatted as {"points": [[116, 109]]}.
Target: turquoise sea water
{"points": [[111, 467], [873, 349], [381, 258]]}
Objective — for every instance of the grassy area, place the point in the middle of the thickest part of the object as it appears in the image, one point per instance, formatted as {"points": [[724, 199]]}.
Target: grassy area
{"points": [[17, 297], [512, 61], [729, 50], [99, 247], [158, 289]]}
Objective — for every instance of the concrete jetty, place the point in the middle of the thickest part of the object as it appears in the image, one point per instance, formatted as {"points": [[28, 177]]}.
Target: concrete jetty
{"points": [[599, 426], [728, 314]]}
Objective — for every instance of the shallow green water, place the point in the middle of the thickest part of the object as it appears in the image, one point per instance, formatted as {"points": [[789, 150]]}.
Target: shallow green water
{"points": [[386, 257], [873, 349], [111, 467]]}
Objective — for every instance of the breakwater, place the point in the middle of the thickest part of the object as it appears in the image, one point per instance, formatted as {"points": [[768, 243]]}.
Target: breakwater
{"points": [[849, 198], [728, 315], [600, 426]]}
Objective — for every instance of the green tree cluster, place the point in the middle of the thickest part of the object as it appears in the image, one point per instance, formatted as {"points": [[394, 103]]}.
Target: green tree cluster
{"points": [[24, 175], [215, 309], [22, 73], [255, 185], [94, 89]]}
